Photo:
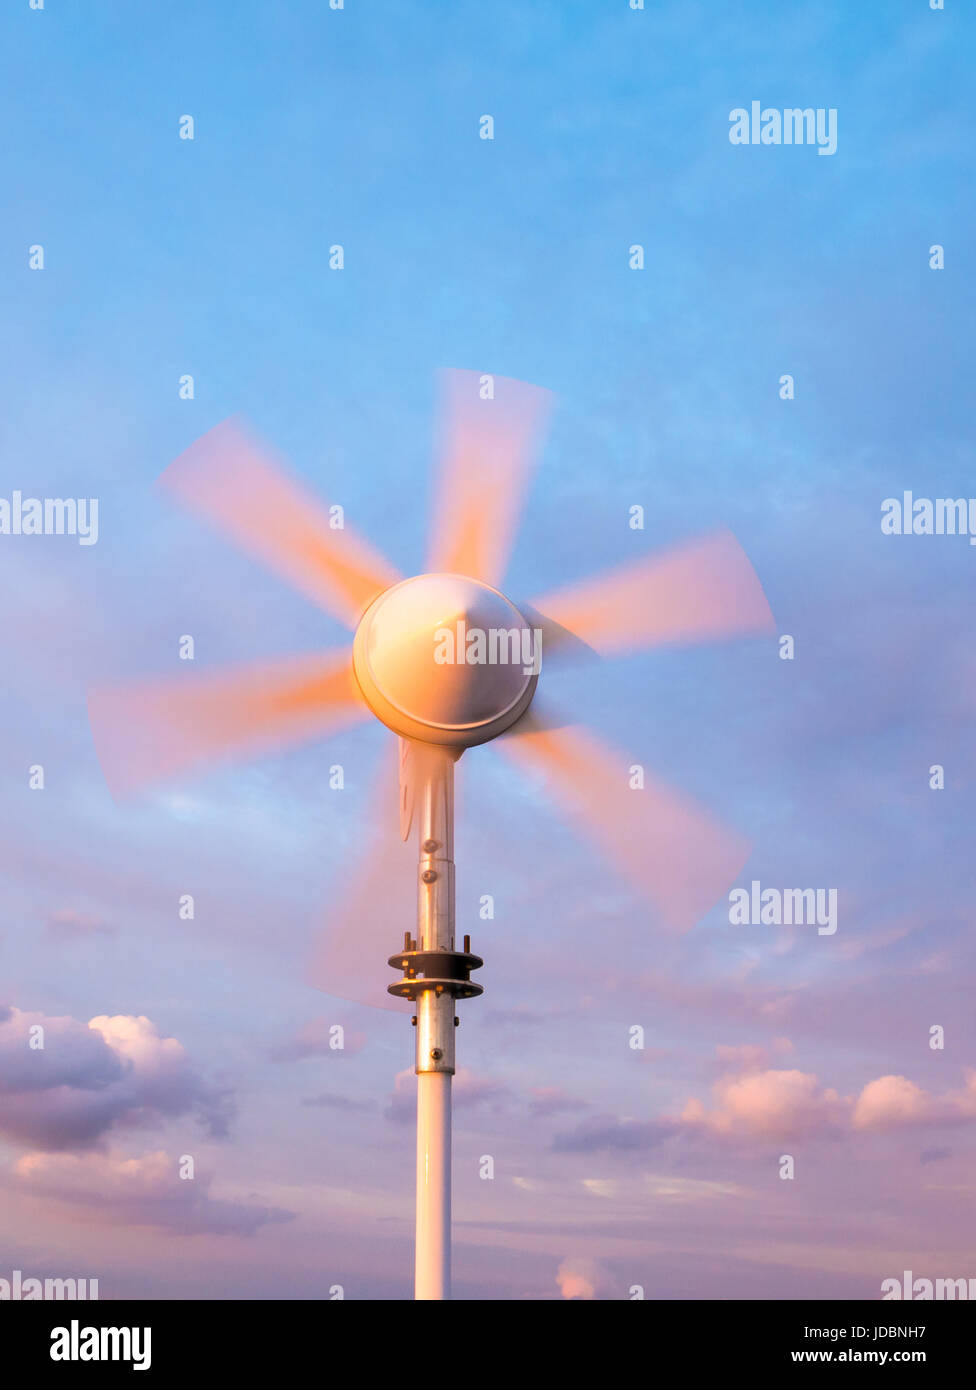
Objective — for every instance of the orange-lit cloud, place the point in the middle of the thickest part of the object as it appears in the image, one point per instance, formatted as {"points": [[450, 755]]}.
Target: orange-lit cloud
{"points": [[580, 1278]]}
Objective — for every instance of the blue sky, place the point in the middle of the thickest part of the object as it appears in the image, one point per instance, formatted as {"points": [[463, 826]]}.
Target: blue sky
{"points": [[164, 256]]}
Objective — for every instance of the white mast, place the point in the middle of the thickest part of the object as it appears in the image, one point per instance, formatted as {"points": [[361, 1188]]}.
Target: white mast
{"points": [[439, 708], [435, 975], [435, 1031]]}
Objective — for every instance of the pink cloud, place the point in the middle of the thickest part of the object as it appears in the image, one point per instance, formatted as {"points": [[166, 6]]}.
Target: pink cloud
{"points": [[793, 1104], [768, 1103], [894, 1102], [580, 1278]]}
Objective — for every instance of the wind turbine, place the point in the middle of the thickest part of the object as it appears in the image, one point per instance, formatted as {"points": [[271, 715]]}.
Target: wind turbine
{"points": [[667, 845]]}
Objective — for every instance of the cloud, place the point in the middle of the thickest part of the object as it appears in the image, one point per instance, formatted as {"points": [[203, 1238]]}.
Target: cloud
{"points": [[894, 1102], [581, 1278], [753, 1101], [768, 1104], [793, 1104], [599, 1187], [146, 1191], [89, 1079], [528, 1184], [690, 1189]]}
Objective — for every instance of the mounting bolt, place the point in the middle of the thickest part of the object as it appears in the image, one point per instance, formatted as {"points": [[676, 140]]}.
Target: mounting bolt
{"points": [[428, 876], [429, 846], [413, 1021], [457, 1021], [436, 1054]]}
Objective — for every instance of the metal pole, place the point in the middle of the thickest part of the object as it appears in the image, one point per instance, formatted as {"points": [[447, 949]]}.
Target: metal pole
{"points": [[435, 1025], [433, 1251]]}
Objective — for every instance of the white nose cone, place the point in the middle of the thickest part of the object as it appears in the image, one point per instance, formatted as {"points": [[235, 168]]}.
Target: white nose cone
{"points": [[446, 659]]}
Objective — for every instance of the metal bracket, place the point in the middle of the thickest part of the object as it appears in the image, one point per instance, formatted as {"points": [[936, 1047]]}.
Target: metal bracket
{"points": [[445, 972]]}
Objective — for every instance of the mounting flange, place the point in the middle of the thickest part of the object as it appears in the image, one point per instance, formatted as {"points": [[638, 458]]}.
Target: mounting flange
{"points": [[445, 972]]}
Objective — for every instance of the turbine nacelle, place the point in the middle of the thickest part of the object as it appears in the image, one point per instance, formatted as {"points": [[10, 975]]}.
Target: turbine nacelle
{"points": [[446, 659]]}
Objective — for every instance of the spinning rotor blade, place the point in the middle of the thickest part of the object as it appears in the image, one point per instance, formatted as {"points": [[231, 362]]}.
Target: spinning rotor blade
{"points": [[377, 903], [229, 478], [668, 847], [697, 591], [153, 729], [487, 450]]}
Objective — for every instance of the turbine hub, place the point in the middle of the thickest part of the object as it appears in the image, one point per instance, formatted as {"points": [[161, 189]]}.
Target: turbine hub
{"points": [[446, 659]]}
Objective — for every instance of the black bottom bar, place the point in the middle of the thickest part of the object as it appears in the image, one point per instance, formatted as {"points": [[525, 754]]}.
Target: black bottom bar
{"points": [[187, 1339]]}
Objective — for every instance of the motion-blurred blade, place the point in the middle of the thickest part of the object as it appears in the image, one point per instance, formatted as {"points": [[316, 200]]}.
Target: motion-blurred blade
{"points": [[556, 638], [237, 484], [153, 729], [695, 592], [668, 847], [375, 902], [487, 450], [408, 788]]}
